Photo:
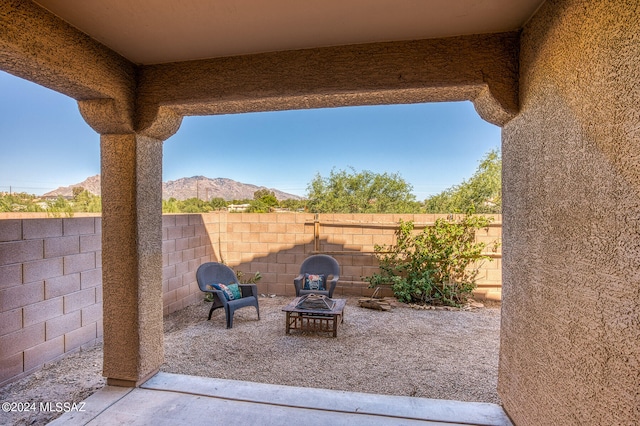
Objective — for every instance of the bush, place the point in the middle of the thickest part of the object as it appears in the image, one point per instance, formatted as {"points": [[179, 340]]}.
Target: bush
{"points": [[434, 266]]}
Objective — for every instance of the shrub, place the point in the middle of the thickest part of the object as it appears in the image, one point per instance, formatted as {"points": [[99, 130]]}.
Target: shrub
{"points": [[437, 266], [254, 279]]}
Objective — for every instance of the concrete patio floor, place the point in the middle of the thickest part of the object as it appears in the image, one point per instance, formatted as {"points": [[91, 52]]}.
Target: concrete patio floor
{"points": [[170, 399]]}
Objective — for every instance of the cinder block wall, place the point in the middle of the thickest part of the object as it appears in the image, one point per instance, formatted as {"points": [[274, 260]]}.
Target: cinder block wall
{"points": [[50, 290], [51, 275], [186, 244], [570, 335], [276, 244]]}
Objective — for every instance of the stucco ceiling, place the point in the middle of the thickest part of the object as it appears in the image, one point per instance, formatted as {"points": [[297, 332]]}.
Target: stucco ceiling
{"points": [[159, 31]]}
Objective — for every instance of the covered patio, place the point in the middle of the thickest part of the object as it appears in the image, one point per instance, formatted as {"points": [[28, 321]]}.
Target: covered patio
{"points": [[558, 76], [177, 399]]}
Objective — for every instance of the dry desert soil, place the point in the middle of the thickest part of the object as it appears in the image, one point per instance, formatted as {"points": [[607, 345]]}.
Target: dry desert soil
{"points": [[443, 354]]}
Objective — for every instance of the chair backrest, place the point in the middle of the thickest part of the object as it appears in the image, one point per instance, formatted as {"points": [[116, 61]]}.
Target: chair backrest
{"points": [[320, 264], [214, 273]]}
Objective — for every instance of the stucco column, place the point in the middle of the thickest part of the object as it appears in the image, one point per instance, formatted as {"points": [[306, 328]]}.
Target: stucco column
{"points": [[132, 257], [131, 173]]}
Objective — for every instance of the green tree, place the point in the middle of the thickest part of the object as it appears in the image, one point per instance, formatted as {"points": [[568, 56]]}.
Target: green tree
{"points": [[218, 203], [243, 201], [76, 191], [95, 204], [170, 206], [195, 205], [60, 206], [257, 206], [482, 193], [294, 205], [360, 192], [20, 202], [84, 201], [266, 198]]}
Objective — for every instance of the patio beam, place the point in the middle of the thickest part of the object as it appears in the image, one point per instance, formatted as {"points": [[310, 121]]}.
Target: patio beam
{"points": [[40, 47], [479, 68]]}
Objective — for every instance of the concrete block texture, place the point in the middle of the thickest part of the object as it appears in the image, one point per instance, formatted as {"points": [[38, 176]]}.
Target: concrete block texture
{"points": [[80, 226], [41, 269], [43, 311], [79, 299], [92, 313], [36, 356], [60, 286], [10, 321], [570, 341], [79, 262], [80, 336], [63, 324], [21, 251], [41, 228], [90, 242], [21, 295], [91, 278], [62, 246], [10, 367], [10, 230], [10, 275], [18, 341]]}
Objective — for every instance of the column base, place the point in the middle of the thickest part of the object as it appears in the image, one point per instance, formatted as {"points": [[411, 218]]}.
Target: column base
{"points": [[131, 383]]}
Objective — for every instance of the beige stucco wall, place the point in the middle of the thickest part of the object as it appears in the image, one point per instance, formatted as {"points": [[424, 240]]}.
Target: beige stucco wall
{"points": [[570, 339]]}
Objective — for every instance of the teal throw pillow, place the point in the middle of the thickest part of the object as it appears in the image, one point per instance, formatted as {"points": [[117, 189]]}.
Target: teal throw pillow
{"points": [[235, 290], [228, 290]]}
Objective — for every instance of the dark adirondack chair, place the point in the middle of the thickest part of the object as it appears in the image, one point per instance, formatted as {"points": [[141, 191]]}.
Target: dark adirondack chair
{"points": [[211, 273]]}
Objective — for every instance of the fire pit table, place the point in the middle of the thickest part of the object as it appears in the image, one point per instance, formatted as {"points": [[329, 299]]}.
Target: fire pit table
{"points": [[315, 316]]}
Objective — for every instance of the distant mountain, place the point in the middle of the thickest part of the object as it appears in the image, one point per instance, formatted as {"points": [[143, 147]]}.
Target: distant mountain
{"points": [[193, 187], [91, 184], [206, 188]]}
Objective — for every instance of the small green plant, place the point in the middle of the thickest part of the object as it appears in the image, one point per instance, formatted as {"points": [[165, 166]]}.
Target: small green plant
{"points": [[254, 279], [437, 266]]}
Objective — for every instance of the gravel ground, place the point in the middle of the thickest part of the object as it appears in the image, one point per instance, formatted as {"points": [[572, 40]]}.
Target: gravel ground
{"points": [[412, 352]]}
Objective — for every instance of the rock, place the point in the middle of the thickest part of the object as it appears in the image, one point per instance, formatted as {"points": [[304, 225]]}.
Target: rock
{"points": [[371, 303]]}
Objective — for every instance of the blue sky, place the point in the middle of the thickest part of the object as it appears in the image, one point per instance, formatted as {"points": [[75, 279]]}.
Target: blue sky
{"points": [[45, 143]]}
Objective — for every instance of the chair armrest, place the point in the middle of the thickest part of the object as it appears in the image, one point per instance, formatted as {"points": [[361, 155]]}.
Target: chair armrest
{"points": [[298, 282], [248, 290], [331, 284], [219, 295]]}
